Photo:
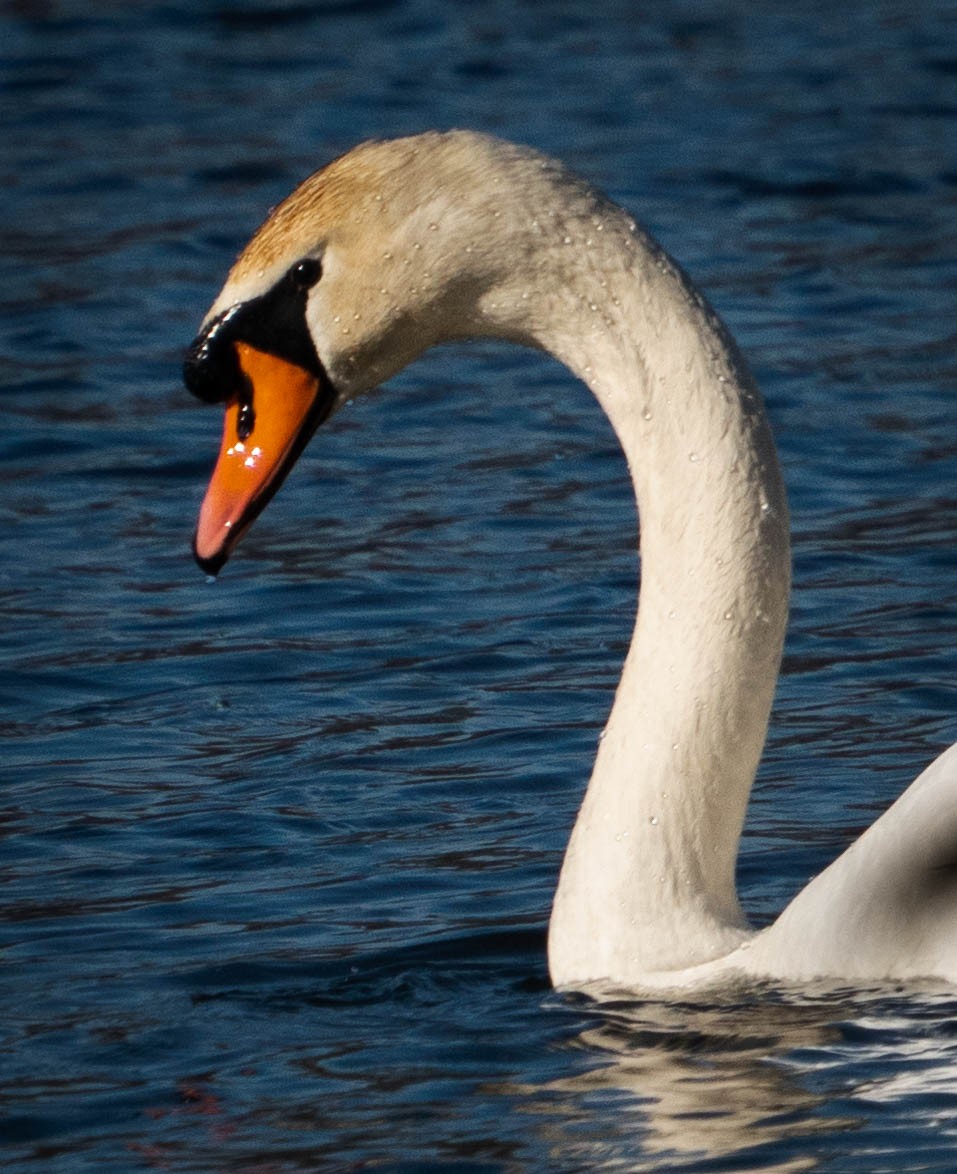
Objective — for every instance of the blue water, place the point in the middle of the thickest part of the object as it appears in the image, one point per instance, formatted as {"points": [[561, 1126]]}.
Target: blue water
{"points": [[278, 852]]}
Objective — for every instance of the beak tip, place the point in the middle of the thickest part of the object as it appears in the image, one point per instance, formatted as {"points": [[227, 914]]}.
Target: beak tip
{"points": [[210, 564]]}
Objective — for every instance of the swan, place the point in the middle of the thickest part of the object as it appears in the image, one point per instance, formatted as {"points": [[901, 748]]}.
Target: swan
{"points": [[402, 244]]}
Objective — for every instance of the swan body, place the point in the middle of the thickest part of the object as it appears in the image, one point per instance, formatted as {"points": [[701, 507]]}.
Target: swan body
{"points": [[400, 245]]}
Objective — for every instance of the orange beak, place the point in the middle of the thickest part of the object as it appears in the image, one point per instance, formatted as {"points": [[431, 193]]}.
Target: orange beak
{"points": [[288, 404]]}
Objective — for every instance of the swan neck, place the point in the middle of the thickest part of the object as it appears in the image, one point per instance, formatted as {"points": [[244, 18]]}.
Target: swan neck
{"points": [[648, 882]]}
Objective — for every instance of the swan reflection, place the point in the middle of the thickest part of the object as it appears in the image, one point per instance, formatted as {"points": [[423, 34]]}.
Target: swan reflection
{"points": [[740, 1078]]}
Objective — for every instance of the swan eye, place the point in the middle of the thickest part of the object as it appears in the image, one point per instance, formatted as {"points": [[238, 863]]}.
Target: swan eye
{"points": [[274, 323], [305, 273]]}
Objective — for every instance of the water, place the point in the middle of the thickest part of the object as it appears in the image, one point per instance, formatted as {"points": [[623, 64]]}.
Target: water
{"points": [[278, 852]]}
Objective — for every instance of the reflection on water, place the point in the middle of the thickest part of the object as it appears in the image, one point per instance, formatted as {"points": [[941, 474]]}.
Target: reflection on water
{"points": [[703, 1082], [756, 1078]]}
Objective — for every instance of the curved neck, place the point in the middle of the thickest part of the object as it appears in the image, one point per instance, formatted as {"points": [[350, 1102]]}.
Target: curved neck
{"points": [[648, 882]]}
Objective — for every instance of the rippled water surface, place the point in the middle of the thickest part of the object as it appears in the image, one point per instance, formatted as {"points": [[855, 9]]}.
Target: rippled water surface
{"points": [[278, 852]]}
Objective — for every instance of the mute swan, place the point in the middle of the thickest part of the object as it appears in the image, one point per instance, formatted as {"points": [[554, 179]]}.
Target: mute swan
{"points": [[400, 245]]}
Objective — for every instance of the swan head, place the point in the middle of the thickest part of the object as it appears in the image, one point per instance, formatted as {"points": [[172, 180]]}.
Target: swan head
{"points": [[390, 249]]}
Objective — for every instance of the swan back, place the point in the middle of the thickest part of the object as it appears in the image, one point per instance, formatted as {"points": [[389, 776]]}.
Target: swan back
{"points": [[887, 907]]}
